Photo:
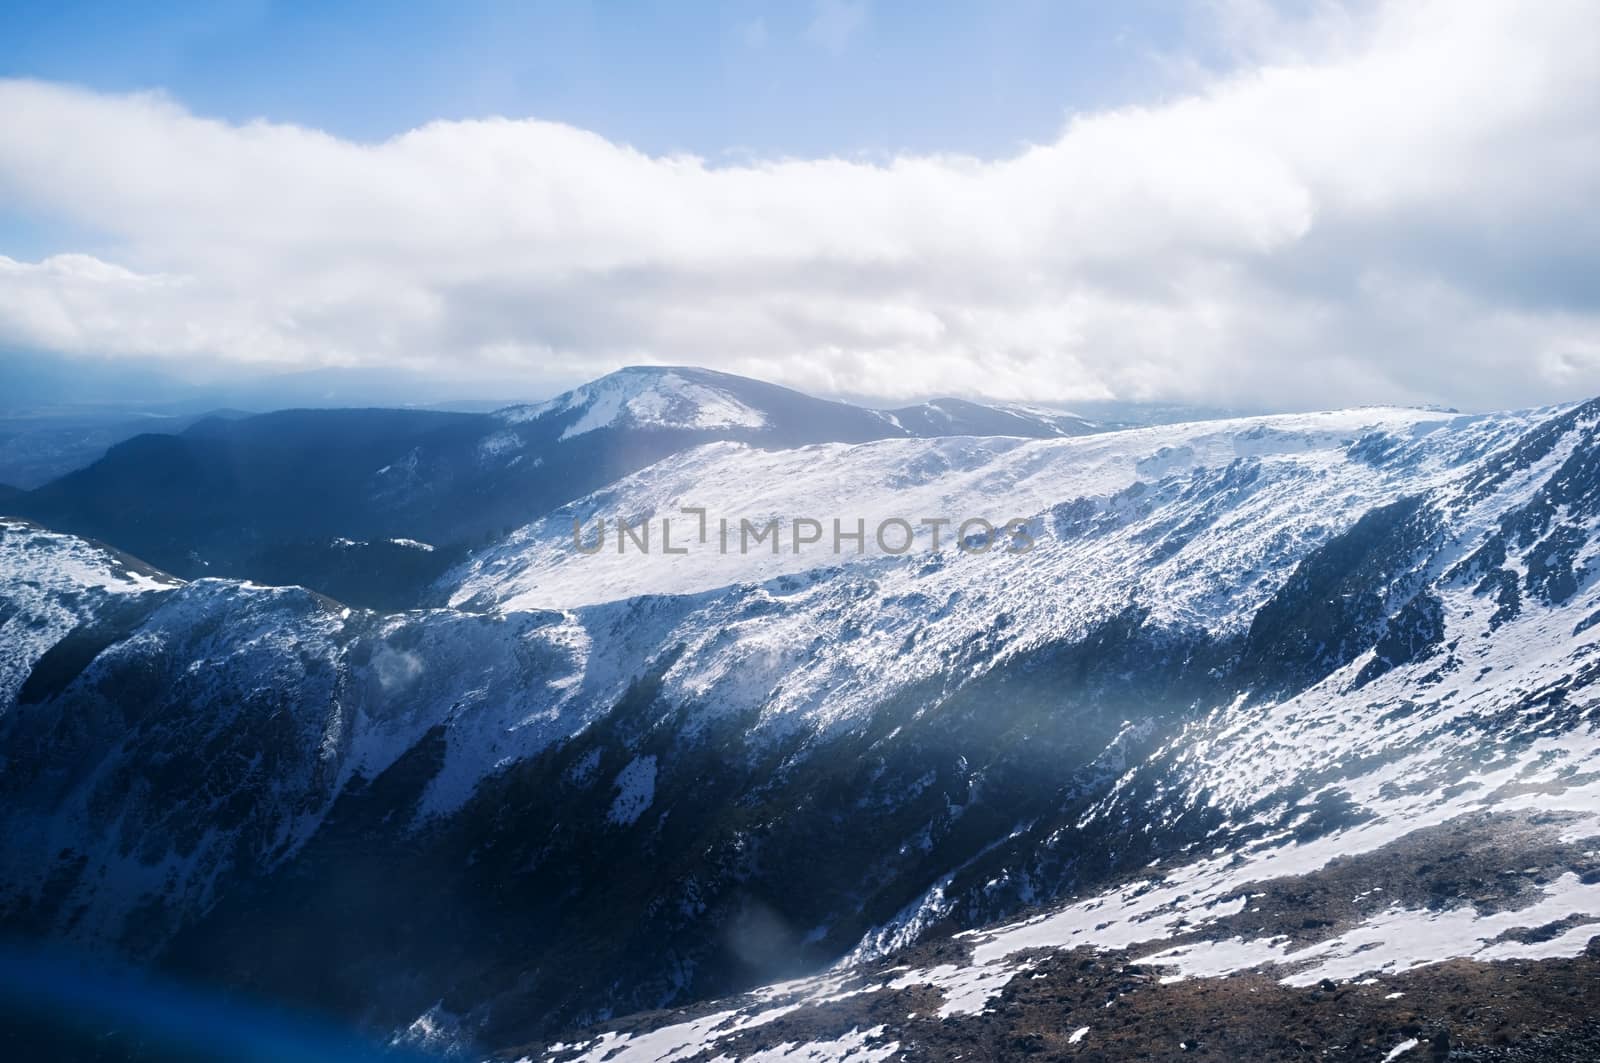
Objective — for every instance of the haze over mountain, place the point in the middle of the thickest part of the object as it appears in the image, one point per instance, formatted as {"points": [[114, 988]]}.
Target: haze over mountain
{"points": [[58, 415]]}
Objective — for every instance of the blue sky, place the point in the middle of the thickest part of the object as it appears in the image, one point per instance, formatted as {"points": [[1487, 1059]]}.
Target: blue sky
{"points": [[842, 77], [1232, 202]]}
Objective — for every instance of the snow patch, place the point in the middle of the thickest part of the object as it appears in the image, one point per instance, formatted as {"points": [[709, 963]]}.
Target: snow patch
{"points": [[1401, 1049], [636, 789]]}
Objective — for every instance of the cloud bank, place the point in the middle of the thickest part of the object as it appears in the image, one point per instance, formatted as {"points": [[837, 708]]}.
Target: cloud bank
{"points": [[1402, 209]]}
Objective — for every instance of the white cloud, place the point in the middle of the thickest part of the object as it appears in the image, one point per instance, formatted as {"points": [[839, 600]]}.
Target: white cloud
{"points": [[1406, 214]]}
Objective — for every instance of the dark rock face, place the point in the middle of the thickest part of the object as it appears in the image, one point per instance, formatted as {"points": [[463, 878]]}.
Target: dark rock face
{"points": [[1325, 615], [761, 860]]}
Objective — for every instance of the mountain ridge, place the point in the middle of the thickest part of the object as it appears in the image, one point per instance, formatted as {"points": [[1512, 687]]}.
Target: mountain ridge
{"points": [[313, 495]]}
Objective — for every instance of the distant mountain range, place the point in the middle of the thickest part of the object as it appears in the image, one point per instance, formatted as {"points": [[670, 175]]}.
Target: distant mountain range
{"points": [[1279, 742], [321, 497]]}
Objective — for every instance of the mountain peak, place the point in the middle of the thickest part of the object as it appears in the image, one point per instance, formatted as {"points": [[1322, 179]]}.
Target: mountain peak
{"points": [[695, 399], [647, 396]]}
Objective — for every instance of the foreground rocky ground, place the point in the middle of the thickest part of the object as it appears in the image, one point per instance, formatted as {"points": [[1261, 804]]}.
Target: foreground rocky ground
{"points": [[1137, 1003]]}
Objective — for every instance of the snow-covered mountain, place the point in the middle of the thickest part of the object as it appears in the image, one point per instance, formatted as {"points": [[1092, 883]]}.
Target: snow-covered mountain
{"points": [[684, 397], [960, 417], [1267, 706], [1064, 488], [645, 399], [325, 498]]}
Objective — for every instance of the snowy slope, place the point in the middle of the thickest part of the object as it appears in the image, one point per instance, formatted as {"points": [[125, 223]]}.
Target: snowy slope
{"points": [[1225, 481], [54, 583], [960, 417], [1238, 651], [1495, 726], [1202, 523], [156, 700]]}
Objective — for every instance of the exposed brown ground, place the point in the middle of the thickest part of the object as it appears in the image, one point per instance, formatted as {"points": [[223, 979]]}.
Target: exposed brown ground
{"points": [[1546, 1010]]}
